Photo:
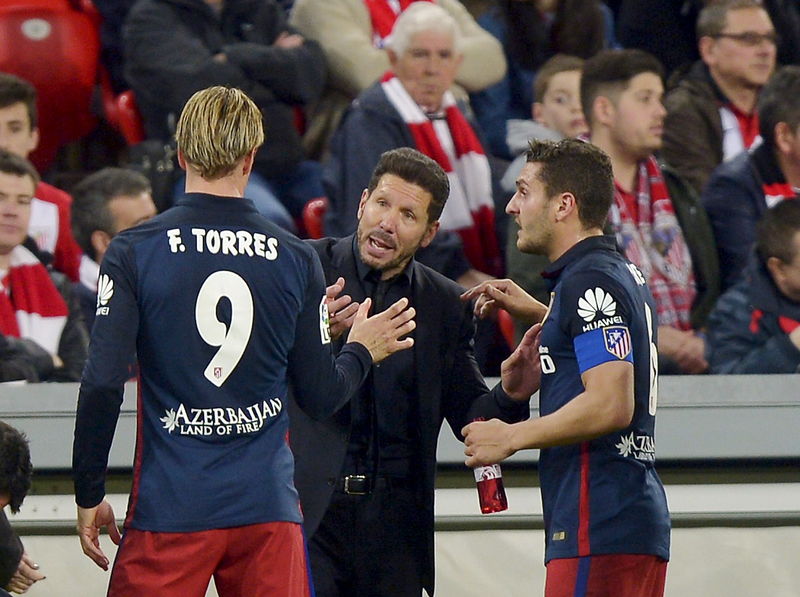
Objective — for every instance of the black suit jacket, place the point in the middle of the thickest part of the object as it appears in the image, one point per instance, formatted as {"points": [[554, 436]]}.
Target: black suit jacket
{"points": [[449, 386]]}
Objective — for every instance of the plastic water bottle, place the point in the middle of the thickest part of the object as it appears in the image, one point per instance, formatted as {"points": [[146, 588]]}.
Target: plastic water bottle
{"points": [[491, 493]]}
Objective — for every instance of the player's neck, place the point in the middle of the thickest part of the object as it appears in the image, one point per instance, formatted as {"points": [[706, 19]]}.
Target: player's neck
{"points": [[227, 186]]}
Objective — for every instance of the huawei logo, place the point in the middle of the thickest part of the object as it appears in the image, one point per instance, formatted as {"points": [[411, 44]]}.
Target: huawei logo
{"points": [[105, 290], [596, 301]]}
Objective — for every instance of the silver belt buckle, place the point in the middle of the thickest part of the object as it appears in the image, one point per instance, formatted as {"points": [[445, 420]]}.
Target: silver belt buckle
{"points": [[356, 480]]}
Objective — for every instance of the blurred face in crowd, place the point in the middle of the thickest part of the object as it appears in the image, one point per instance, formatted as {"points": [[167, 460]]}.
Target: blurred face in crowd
{"points": [[127, 211], [560, 108], [131, 210], [16, 194], [743, 54], [16, 134], [393, 224], [636, 118], [427, 68], [787, 274]]}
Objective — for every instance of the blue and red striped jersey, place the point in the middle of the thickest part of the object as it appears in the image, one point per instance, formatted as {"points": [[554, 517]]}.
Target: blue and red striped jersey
{"points": [[224, 310], [601, 496]]}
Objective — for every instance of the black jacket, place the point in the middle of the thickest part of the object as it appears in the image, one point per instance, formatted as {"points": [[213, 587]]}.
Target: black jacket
{"points": [[170, 49], [449, 386]]}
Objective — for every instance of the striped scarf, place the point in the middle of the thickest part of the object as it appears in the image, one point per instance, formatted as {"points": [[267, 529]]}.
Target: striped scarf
{"points": [[30, 304], [654, 242], [383, 14], [469, 209]]}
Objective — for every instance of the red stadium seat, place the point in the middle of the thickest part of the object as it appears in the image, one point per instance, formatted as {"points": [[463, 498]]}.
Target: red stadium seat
{"points": [[122, 113], [54, 44], [313, 215]]}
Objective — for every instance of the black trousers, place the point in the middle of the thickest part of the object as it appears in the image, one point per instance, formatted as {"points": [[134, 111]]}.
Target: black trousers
{"points": [[370, 545]]}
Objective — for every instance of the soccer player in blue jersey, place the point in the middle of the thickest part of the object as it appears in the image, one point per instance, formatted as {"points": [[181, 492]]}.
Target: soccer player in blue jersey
{"points": [[607, 526], [223, 309]]}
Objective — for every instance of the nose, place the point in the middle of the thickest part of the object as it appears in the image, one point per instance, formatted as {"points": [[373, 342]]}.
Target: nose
{"points": [[511, 206]]}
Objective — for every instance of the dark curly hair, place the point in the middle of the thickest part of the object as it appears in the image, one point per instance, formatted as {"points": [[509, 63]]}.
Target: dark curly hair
{"points": [[15, 465]]}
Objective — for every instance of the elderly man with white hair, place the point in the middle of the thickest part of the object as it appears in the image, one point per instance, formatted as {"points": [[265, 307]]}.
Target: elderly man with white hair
{"points": [[411, 106]]}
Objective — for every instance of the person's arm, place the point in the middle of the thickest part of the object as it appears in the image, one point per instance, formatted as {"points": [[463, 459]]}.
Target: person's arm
{"points": [[322, 383], [74, 341], [505, 294], [606, 405], [167, 64], [111, 350], [465, 396], [274, 55], [731, 211], [687, 145], [24, 359]]}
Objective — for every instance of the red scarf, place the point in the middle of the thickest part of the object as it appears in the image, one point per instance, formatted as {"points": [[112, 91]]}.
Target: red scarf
{"points": [[470, 208], [652, 239], [383, 15], [30, 304]]}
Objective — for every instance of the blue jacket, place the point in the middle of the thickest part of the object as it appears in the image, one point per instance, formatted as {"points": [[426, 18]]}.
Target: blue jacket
{"points": [[747, 329]]}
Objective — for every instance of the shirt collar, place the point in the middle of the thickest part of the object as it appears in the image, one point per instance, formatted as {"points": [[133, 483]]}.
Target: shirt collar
{"points": [[367, 274], [577, 251]]}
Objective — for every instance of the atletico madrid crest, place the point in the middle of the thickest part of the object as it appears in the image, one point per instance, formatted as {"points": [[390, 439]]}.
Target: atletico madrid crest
{"points": [[618, 341]]}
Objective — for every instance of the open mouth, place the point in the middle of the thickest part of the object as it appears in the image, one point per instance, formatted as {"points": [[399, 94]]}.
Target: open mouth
{"points": [[378, 244]]}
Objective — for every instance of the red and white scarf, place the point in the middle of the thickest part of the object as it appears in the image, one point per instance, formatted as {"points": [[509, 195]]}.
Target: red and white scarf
{"points": [[469, 209], [30, 304], [654, 242], [383, 14]]}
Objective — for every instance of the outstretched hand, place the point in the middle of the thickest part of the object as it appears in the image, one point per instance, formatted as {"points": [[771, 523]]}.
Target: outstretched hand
{"points": [[521, 372], [341, 309], [505, 294], [381, 333], [90, 521]]}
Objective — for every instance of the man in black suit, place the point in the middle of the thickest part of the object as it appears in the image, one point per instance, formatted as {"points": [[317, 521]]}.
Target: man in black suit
{"points": [[366, 475]]}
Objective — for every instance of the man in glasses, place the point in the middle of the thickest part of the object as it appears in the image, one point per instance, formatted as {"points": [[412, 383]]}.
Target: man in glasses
{"points": [[711, 113]]}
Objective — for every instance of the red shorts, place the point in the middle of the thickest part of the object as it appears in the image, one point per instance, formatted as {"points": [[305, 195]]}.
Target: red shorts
{"points": [[259, 560], [614, 575]]}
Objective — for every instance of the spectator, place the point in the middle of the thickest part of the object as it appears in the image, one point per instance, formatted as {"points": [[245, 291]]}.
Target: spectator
{"points": [[34, 306], [755, 327], [740, 191], [658, 220], [104, 204], [359, 471], [411, 106], [353, 34], [557, 114], [17, 571], [531, 33], [50, 211], [711, 112], [174, 48]]}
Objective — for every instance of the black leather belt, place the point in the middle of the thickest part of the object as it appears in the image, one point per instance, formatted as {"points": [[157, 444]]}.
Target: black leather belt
{"points": [[364, 484]]}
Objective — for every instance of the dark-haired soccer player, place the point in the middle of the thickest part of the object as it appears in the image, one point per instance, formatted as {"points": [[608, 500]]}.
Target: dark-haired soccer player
{"points": [[605, 512]]}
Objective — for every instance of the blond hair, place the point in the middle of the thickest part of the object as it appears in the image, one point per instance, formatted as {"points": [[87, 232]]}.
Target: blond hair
{"points": [[218, 127]]}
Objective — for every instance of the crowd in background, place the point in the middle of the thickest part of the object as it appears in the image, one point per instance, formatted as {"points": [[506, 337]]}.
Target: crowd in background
{"points": [[695, 102]]}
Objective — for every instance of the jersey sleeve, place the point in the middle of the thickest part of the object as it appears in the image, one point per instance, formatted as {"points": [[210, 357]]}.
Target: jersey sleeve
{"points": [[111, 350], [596, 314], [321, 383]]}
